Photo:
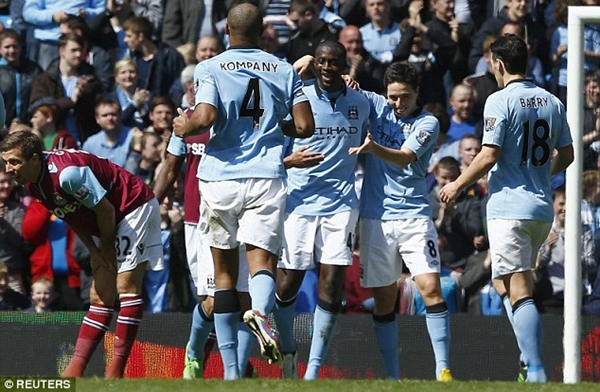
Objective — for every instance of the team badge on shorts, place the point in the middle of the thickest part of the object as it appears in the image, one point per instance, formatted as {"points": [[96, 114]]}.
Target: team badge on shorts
{"points": [[423, 138], [489, 124], [352, 112]]}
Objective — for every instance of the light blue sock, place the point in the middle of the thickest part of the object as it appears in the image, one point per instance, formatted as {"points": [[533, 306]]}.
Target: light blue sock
{"points": [[438, 326], [527, 330], [262, 292], [386, 333], [245, 341], [509, 314], [284, 313], [202, 324], [226, 325], [323, 328]]}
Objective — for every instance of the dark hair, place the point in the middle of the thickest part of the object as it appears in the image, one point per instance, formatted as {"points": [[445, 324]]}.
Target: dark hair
{"points": [[401, 72], [559, 190], [65, 38], [139, 24], [10, 33], [162, 100], [512, 51], [76, 22], [335, 46], [27, 142], [448, 163]]}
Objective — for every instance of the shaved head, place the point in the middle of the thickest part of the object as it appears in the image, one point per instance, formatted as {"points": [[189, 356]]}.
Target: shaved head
{"points": [[245, 21]]}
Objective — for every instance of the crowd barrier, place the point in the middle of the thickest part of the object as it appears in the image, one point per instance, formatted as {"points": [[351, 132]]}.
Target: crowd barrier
{"points": [[482, 347]]}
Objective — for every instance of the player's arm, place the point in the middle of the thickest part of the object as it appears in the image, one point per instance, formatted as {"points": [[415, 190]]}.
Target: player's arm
{"points": [[167, 176], [482, 163], [400, 158], [201, 121], [106, 221], [302, 124], [563, 159]]}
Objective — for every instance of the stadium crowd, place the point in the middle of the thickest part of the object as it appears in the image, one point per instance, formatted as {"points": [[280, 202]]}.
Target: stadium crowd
{"points": [[107, 77]]}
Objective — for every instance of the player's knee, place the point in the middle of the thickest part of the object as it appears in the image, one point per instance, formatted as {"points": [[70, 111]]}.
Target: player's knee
{"points": [[208, 305]]}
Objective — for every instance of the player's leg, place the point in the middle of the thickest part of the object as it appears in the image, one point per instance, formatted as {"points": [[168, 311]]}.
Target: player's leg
{"points": [[333, 249], [201, 268], [420, 253], [296, 257], [514, 246], [260, 227], [382, 266], [246, 338], [139, 247], [98, 318]]}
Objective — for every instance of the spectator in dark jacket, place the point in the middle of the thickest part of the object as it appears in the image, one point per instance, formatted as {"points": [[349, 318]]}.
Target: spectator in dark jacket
{"points": [[16, 77]]}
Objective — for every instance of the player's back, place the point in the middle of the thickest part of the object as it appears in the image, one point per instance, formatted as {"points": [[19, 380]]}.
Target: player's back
{"points": [[252, 91], [528, 123]]}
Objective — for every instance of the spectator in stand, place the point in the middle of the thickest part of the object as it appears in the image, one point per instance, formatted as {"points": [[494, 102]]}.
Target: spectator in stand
{"points": [[382, 35], [444, 147], [269, 40], [10, 299], [52, 256], [187, 83], [591, 120], [188, 52], [514, 11], [468, 147], [483, 84], [145, 163], [46, 17], [462, 121], [304, 15], [362, 67], [590, 205], [72, 83], [42, 296], [132, 99], [153, 10], [183, 21], [208, 46], [102, 60], [460, 223], [11, 221], [159, 65], [551, 255], [161, 114], [17, 73], [535, 68], [43, 120], [417, 48], [114, 140], [558, 48]]}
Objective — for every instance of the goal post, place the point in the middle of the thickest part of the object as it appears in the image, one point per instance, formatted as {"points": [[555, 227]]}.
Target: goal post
{"points": [[578, 17]]}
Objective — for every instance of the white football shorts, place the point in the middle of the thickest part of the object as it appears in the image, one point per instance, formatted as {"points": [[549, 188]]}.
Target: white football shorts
{"points": [[249, 211], [515, 244], [325, 239], [385, 245], [138, 238]]}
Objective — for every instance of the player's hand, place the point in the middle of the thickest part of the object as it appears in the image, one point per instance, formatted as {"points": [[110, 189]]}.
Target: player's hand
{"points": [[304, 66], [303, 158], [449, 192], [351, 82], [366, 147], [180, 122]]}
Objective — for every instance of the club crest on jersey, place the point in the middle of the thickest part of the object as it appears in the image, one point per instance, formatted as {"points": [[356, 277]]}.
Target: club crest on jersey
{"points": [[423, 138], [489, 124], [82, 193], [59, 200], [52, 168], [352, 112]]}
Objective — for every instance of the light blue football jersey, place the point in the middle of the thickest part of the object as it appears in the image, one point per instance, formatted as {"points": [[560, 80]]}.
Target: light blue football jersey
{"points": [[252, 91], [381, 44], [340, 123], [527, 123], [389, 192]]}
